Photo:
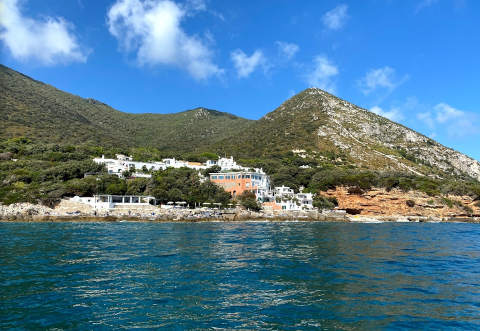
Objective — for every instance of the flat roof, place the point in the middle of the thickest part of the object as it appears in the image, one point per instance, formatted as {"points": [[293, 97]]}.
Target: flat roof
{"points": [[124, 196], [237, 172]]}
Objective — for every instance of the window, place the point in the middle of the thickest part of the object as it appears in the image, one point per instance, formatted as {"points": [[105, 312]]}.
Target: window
{"points": [[117, 199], [247, 176], [220, 177], [214, 177]]}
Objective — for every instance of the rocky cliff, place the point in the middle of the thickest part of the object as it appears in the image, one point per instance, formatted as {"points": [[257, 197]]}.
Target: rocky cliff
{"points": [[318, 122], [378, 202]]}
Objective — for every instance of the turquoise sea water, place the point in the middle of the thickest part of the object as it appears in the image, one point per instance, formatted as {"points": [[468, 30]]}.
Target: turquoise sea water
{"points": [[239, 275]]}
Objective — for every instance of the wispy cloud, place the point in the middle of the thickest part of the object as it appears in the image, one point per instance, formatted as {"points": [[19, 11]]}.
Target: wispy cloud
{"points": [[394, 114], [323, 73], [195, 5], [384, 78], [422, 4], [287, 50], [245, 64], [456, 122], [152, 29], [48, 41], [336, 18]]}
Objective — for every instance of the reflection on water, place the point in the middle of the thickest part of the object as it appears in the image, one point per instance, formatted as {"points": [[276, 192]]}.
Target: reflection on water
{"points": [[239, 275]]}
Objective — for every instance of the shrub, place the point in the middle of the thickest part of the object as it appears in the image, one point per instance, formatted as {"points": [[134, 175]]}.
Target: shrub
{"points": [[212, 169], [447, 202], [322, 202], [355, 190], [467, 209], [410, 203], [249, 201]]}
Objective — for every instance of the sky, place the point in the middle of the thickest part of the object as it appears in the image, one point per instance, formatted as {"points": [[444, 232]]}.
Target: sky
{"points": [[416, 62]]}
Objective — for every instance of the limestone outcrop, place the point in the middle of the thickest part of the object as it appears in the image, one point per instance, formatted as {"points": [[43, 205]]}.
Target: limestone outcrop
{"points": [[380, 202]]}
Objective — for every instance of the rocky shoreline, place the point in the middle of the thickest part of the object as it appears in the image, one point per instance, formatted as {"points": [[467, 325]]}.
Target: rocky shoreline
{"points": [[67, 213]]}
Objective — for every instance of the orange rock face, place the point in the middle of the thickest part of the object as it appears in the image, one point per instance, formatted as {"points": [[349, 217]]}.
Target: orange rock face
{"points": [[397, 202]]}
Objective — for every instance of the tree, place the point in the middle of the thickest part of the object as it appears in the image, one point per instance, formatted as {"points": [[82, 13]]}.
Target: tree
{"points": [[322, 202], [249, 201], [211, 170]]}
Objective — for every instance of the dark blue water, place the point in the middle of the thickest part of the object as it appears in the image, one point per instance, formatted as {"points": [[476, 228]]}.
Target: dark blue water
{"points": [[231, 275]]}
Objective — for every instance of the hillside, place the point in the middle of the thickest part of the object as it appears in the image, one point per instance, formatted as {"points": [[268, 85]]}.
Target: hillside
{"points": [[36, 110], [313, 140], [322, 124]]}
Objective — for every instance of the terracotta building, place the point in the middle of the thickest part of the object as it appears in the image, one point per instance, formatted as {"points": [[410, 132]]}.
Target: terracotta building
{"points": [[238, 182]]}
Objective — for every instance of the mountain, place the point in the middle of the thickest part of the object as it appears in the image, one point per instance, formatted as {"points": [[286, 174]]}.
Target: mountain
{"points": [[36, 110], [316, 123], [313, 123]]}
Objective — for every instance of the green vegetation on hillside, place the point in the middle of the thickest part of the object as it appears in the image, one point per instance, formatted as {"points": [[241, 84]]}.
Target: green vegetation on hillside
{"points": [[38, 173], [41, 112], [46, 173], [286, 169], [54, 135]]}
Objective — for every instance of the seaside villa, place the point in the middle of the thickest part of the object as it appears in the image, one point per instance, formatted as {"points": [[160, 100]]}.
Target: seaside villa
{"points": [[238, 182], [106, 201]]}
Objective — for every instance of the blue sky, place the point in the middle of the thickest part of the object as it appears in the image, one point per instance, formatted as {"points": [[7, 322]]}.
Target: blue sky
{"points": [[414, 61]]}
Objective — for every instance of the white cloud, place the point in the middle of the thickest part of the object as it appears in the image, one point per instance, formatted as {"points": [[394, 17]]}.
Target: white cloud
{"points": [[288, 50], [196, 5], [393, 114], [380, 78], [336, 18], [244, 64], [424, 4], [427, 118], [152, 30], [322, 74], [445, 112], [457, 123], [48, 41]]}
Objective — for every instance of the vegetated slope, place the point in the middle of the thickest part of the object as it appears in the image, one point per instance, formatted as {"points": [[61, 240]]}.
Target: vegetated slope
{"points": [[321, 123], [313, 120], [36, 110]]}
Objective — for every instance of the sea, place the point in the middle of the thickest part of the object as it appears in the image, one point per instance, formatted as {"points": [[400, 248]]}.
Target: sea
{"points": [[249, 275]]}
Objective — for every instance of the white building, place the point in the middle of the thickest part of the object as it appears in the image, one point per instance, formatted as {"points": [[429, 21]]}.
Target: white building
{"points": [[229, 164], [283, 191], [105, 202], [287, 199], [123, 163]]}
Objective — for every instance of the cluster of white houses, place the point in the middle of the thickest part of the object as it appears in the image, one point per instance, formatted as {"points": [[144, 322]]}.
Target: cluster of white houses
{"points": [[122, 163], [234, 178]]}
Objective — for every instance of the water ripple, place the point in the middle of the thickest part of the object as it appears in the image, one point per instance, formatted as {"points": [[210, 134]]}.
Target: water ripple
{"points": [[239, 276]]}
